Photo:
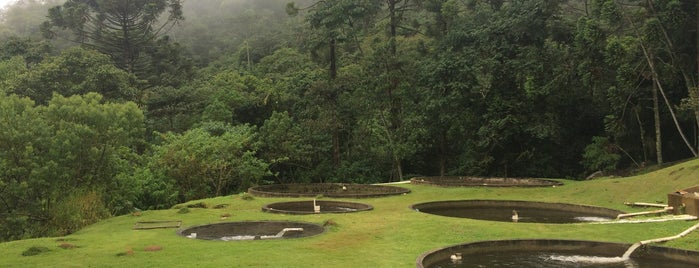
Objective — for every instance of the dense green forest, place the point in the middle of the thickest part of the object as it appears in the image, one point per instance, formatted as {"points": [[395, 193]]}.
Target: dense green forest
{"points": [[112, 106]]}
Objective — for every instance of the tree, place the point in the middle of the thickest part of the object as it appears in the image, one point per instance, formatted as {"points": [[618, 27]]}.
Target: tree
{"points": [[59, 162], [333, 23], [32, 52], [75, 71], [285, 145], [123, 30], [394, 71], [23, 141], [655, 35], [212, 160], [9, 69], [295, 136], [217, 28], [507, 89], [601, 155], [669, 26]]}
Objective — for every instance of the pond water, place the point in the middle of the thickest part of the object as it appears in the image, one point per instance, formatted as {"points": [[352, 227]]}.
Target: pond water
{"points": [[524, 214], [333, 190], [309, 207], [552, 260], [251, 230], [517, 211], [549, 253]]}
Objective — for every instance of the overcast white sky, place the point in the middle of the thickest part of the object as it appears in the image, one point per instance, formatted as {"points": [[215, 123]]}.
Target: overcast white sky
{"points": [[3, 3]]}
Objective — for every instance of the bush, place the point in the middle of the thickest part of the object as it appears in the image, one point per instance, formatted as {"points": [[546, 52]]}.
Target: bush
{"points": [[204, 164], [154, 191], [198, 205], [600, 155], [77, 210], [246, 196], [35, 251]]}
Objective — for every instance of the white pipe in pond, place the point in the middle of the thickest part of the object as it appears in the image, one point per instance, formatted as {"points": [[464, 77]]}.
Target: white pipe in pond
{"points": [[633, 247], [641, 204], [316, 209], [626, 215], [283, 231]]}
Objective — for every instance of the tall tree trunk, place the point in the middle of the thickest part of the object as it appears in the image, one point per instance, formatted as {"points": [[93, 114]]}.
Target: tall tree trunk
{"points": [[393, 83], [393, 24], [650, 60], [336, 141], [443, 153], [642, 132], [690, 82], [656, 117], [333, 58], [651, 64], [335, 123]]}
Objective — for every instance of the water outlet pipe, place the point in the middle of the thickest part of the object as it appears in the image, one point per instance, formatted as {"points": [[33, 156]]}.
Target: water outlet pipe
{"points": [[633, 247], [626, 215]]}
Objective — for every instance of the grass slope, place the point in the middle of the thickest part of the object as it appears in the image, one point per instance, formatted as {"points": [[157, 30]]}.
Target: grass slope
{"points": [[391, 235]]}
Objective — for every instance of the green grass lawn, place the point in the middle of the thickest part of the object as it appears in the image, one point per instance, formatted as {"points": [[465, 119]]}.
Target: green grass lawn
{"points": [[391, 235]]}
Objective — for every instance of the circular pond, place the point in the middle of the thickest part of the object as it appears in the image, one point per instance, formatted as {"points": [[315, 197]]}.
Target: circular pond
{"points": [[484, 182], [336, 190], [252, 230], [517, 211], [315, 206], [555, 253]]}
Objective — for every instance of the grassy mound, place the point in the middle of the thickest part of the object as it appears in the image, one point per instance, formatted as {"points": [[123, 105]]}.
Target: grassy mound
{"points": [[391, 235]]}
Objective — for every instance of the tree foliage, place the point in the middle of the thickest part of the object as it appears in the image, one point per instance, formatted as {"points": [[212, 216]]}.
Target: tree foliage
{"points": [[75, 71], [214, 159], [123, 30], [59, 161]]}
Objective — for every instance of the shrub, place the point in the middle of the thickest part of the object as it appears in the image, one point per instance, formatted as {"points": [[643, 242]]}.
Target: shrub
{"points": [[154, 190], [35, 251], [600, 155], [198, 205], [77, 210], [204, 163], [246, 196], [220, 206]]}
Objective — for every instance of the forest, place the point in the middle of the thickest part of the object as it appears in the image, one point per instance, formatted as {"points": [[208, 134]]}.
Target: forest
{"points": [[107, 107]]}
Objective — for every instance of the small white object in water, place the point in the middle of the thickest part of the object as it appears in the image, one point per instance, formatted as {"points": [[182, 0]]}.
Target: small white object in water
{"points": [[592, 219], [588, 259], [238, 237], [455, 258], [192, 235], [344, 188], [515, 216]]}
